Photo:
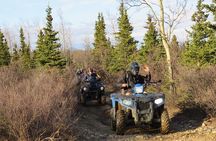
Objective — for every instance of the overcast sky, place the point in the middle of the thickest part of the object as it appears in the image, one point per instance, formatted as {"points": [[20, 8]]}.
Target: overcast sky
{"points": [[79, 16]]}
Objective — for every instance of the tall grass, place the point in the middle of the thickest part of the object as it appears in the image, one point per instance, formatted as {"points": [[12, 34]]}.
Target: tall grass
{"points": [[37, 104]]}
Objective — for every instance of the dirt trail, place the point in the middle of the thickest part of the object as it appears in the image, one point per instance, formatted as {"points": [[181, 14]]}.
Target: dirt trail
{"points": [[190, 125]]}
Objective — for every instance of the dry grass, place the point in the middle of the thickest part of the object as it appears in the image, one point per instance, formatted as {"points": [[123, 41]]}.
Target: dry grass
{"points": [[197, 87], [36, 105]]}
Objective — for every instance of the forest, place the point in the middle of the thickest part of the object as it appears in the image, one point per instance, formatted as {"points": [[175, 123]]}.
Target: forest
{"points": [[38, 83]]}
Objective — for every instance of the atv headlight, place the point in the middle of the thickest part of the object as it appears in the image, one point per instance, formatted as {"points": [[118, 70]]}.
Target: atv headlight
{"points": [[127, 102], [159, 101], [84, 88], [101, 88]]}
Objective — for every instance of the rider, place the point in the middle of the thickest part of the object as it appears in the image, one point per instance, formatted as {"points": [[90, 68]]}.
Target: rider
{"points": [[133, 77], [92, 73], [80, 74]]}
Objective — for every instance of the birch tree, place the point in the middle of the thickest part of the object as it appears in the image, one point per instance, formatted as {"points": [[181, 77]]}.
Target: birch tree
{"points": [[172, 21]]}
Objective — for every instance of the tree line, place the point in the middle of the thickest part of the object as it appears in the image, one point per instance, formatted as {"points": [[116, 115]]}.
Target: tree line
{"points": [[46, 54], [199, 50]]}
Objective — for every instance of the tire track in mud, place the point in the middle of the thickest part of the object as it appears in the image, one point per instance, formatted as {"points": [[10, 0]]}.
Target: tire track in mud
{"points": [[94, 125]]}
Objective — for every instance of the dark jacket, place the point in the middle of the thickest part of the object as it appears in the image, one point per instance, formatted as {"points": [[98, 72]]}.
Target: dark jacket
{"points": [[131, 80]]}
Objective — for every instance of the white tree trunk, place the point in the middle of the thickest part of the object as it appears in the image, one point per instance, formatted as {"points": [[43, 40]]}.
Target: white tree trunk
{"points": [[166, 46]]}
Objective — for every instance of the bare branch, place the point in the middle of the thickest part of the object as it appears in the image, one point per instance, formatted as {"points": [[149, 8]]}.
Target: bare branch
{"points": [[65, 33], [136, 3], [113, 27], [174, 16]]}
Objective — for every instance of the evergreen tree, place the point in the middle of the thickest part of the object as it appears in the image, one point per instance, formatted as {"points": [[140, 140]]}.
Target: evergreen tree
{"points": [[196, 48], [51, 42], [7, 53], [4, 51], [211, 8], [33, 60], [151, 43], [15, 56], [24, 51], [109, 53], [210, 52], [175, 43], [48, 47], [102, 46], [39, 54], [125, 49], [175, 51], [22, 42]]}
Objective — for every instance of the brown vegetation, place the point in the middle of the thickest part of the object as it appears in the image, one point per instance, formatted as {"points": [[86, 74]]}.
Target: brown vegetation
{"points": [[197, 87], [37, 104]]}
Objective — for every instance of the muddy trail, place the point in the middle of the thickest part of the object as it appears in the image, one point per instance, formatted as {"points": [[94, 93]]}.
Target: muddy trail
{"points": [[189, 125]]}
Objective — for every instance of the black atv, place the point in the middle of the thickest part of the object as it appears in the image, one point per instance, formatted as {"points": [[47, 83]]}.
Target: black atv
{"points": [[92, 89]]}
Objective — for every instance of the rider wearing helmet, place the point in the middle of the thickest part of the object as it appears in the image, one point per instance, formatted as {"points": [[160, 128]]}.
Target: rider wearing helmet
{"points": [[133, 77], [92, 73]]}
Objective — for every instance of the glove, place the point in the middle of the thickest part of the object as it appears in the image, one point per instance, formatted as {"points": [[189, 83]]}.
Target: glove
{"points": [[124, 86]]}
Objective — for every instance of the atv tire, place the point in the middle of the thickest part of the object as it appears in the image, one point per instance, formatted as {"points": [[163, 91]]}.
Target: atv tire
{"points": [[103, 100], [83, 100], [120, 122], [99, 100], [155, 125], [112, 120], [165, 122]]}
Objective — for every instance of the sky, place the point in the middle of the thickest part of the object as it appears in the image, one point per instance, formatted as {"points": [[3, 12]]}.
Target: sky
{"points": [[79, 18]]}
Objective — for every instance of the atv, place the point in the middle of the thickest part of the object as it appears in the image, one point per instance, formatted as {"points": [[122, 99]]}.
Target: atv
{"points": [[92, 89], [140, 108]]}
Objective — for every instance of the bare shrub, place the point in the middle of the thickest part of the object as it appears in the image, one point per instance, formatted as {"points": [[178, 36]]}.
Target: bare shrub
{"points": [[197, 87], [37, 104]]}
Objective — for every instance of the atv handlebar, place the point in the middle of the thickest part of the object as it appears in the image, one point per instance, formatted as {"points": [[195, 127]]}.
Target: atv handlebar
{"points": [[126, 86], [154, 83]]}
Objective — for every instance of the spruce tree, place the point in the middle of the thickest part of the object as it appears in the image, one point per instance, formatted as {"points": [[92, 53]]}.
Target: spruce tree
{"points": [[210, 52], [109, 55], [24, 51], [39, 54], [4, 51], [211, 8], [175, 44], [33, 60], [48, 47], [196, 48], [7, 53], [15, 56], [125, 50], [102, 46], [22, 42], [151, 42], [175, 51], [50, 54]]}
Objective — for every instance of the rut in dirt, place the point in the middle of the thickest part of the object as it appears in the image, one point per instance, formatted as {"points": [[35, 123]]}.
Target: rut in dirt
{"points": [[94, 123]]}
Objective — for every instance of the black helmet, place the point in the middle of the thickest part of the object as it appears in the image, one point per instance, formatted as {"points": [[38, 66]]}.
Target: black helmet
{"points": [[134, 68]]}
